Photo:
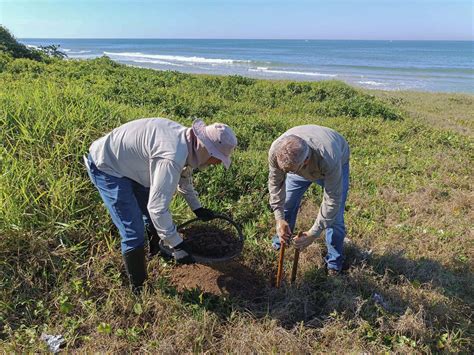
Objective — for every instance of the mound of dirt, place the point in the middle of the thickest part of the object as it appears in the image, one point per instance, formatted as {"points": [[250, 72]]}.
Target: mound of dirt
{"points": [[212, 242], [231, 279]]}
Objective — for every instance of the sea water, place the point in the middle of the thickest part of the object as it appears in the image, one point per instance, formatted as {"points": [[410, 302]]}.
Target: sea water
{"points": [[442, 66]]}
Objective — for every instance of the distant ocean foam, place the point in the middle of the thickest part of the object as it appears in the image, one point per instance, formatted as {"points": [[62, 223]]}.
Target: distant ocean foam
{"points": [[291, 72], [70, 51], [176, 58], [151, 61], [65, 50], [370, 82]]}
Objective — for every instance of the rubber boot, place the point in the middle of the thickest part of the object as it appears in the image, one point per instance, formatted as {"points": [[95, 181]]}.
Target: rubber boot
{"points": [[135, 266], [153, 241]]}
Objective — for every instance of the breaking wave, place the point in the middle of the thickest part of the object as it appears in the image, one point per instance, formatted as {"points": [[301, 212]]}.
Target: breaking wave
{"points": [[175, 58], [291, 72], [370, 82]]}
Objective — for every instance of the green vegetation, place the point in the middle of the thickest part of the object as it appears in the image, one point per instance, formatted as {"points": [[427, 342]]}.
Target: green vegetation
{"points": [[11, 47], [409, 216]]}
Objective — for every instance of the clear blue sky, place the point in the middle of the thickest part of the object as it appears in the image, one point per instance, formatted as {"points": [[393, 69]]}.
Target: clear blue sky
{"points": [[308, 19]]}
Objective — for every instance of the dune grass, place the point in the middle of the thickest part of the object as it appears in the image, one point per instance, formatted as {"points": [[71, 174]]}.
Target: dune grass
{"points": [[409, 280]]}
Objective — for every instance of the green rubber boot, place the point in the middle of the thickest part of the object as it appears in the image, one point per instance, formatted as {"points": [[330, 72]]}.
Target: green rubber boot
{"points": [[135, 266]]}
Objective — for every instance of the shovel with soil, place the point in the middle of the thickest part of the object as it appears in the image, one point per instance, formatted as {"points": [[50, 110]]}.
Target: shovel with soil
{"points": [[216, 241]]}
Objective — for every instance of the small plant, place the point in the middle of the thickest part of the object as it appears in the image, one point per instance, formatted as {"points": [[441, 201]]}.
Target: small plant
{"points": [[104, 328], [65, 305]]}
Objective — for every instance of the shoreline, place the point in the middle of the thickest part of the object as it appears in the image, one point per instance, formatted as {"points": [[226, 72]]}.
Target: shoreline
{"points": [[378, 86], [388, 90], [433, 66]]}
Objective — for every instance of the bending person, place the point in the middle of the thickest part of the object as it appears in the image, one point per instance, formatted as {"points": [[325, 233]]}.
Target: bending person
{"points": [[139, 166], [301, 156]]}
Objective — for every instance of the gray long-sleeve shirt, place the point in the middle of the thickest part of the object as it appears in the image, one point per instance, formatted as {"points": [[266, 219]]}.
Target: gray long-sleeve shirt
{"points": [[152, 152], [329, 151]]}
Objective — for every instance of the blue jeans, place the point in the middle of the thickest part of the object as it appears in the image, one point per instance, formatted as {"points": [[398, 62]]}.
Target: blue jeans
{"points": [[296, 186], [126, 201]]}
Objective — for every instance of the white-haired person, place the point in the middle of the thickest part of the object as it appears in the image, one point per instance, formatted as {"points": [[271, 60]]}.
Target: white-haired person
{"points": [[301, 156], [139, 166]]}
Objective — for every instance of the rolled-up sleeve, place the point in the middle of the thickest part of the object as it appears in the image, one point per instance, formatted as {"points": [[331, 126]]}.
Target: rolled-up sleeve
{"points": [[165, 175], [276, 187], [186, 188], [332, 197]]}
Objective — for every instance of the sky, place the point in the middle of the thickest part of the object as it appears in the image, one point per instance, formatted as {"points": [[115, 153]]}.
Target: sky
{"points": [[277, 19]]}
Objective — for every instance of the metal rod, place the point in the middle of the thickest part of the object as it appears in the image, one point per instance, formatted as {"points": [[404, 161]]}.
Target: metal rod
{"points": [[280, 265]]}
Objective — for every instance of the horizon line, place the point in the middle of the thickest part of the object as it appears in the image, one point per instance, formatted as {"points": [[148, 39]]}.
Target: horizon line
{"points": [[252, 39]]}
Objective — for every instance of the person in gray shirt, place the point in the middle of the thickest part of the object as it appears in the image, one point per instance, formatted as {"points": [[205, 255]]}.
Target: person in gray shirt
{"points": [[301, 156], [139, 166]]}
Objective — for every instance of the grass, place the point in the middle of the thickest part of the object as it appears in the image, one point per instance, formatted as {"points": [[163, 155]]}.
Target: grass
{"points": [[409, 280], [453, 112]]}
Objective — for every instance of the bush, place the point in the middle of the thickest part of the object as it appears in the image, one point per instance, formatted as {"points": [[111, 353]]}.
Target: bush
{"points": [[26, 66], [10, 45], [5, 58]]}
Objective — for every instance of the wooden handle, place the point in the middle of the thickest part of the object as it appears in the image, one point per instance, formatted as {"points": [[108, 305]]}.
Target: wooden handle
{"points": [[294, 269], [280, 266]]}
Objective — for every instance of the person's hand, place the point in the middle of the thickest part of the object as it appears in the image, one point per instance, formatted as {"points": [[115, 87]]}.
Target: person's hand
{"points": [[303, 240], [204, 214], [283, 230]]}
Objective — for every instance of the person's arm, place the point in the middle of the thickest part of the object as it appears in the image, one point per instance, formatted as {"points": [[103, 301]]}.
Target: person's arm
{"points": [[276, 188], [164, 180], [186, 189], [332, 197]]}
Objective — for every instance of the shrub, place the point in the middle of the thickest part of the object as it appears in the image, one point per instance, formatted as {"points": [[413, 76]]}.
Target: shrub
{"points": [[10, 45], [26, 66], [5, 58]]}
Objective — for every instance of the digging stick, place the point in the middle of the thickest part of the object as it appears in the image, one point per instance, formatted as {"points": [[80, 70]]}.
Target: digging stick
{"points": [[280, 265], [294, 269]]}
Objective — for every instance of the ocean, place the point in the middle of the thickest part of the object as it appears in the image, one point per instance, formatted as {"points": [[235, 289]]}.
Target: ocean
{"points": [[439, 66]]}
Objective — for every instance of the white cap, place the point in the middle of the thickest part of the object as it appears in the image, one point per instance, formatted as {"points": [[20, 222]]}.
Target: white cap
{"points": [[218, 138]]}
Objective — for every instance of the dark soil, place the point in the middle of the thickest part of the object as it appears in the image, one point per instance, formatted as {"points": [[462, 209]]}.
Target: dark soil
{"points": [[231, 279], [209, 241]]}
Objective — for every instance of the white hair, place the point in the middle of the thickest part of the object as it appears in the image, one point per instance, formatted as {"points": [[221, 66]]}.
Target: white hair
{"points": [[291, 151]]}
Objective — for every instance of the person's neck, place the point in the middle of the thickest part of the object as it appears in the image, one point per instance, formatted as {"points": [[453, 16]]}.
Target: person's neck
{"points": [[197, 153]]}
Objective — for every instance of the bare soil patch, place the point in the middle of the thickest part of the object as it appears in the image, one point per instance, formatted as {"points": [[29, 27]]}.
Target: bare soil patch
{"points": [[232, 279]]}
